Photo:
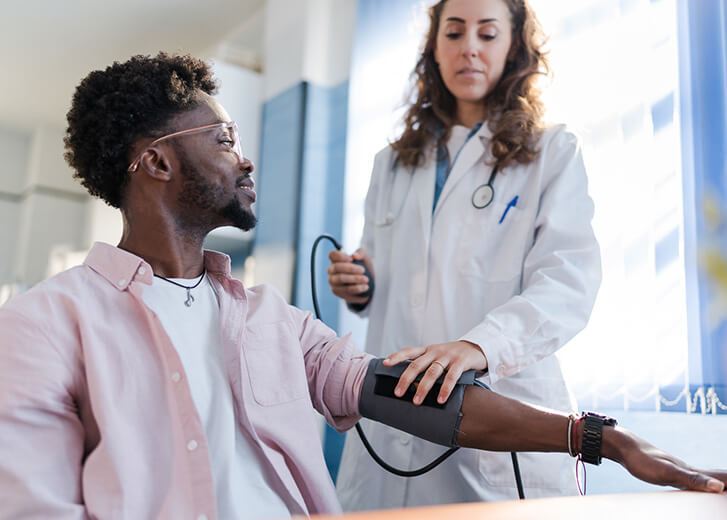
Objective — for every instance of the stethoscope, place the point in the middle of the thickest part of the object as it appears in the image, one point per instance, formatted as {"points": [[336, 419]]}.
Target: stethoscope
{"points": [[482, 196]]}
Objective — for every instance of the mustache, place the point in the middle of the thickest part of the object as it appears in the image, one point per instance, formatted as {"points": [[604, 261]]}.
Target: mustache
{"points": [[245, 180]]}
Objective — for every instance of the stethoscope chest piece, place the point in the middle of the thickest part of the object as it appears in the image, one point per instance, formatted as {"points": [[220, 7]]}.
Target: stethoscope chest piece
{"points": [[482, 196]]}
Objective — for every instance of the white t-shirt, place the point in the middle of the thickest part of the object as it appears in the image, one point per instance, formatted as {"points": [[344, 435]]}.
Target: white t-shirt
{"points": [[241, 484]]}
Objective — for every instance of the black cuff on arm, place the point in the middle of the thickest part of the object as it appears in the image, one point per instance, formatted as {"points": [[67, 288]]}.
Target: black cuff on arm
{"points": [[438, 423]]}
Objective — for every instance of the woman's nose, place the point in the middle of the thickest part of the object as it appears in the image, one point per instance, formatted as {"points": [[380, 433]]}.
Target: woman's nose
{"points": [[470, 46]]}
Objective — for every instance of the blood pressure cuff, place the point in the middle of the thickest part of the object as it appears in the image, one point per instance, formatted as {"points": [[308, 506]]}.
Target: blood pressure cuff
{"points": [[435, 422]]}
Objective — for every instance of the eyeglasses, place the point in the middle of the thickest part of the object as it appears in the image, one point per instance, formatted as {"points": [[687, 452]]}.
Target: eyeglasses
{"points": [[234, 139]]}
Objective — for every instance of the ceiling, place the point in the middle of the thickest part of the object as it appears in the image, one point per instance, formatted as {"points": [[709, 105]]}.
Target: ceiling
{"points": [[48, 46]]}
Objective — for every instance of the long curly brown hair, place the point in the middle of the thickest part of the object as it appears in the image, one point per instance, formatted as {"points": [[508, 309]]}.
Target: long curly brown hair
{"points": [[514, 107]]}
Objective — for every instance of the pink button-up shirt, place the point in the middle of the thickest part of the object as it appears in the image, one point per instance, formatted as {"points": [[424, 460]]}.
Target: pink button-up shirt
{"points": [[97, 418]]}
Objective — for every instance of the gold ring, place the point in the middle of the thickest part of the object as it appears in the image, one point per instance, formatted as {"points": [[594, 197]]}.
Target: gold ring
{"points": [[441, 365]]}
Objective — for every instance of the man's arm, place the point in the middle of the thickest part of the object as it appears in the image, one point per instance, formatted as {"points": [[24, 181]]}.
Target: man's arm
{"points": [[42, 436], [496, 423]]}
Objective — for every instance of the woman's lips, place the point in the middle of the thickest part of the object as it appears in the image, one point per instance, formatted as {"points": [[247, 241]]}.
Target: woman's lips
{"points": [[469, 73]]}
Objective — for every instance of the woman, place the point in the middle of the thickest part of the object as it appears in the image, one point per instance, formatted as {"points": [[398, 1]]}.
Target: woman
{"points": [[494, 269]]}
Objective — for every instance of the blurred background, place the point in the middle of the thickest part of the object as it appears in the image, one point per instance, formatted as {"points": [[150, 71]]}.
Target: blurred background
{"points": [[317, 86]]}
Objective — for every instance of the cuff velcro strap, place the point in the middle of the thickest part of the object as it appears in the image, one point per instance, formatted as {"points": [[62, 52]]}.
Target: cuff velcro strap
{"points": [[435, 422]]}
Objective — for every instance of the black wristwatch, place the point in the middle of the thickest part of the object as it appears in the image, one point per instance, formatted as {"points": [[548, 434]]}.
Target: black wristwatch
{"points": [[593, 424]]}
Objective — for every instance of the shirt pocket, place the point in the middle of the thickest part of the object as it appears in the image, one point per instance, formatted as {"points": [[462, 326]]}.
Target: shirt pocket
{"points": [[275, 364], [491, 247]]}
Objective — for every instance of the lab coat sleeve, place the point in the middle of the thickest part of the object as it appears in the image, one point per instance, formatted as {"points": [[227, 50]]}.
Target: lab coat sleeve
{"points": [[381, 168], [561, 272]]}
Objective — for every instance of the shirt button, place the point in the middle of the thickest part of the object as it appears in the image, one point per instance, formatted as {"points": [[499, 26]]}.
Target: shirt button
{"points": [[142, 270], [191, 445], [121, 282], [501, 371], [202, 517], [405, 441], [176, 376]]}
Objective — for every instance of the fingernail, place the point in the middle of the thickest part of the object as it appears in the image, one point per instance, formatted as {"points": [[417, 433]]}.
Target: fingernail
{"points": [[715, 486], [440, 399], [417, 400], [398, 392]]}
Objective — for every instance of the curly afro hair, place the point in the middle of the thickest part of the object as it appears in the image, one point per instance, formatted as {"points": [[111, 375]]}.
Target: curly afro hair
{"points": [[112, 108]]}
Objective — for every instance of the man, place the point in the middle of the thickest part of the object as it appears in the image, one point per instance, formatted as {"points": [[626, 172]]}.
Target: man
{"points": [[148, 383]]}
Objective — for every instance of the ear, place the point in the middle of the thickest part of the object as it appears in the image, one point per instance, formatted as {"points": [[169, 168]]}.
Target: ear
{"points": [[155, 163]]}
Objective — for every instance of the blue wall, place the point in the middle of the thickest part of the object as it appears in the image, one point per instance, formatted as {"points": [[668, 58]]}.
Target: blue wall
{"points": [[301, 185], [703, 57]]}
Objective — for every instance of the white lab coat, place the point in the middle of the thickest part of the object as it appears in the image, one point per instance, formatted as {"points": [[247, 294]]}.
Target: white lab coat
{"points": [[520, 290]]}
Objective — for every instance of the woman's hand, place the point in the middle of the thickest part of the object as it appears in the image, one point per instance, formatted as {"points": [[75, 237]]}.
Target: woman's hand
{"points": [[347, 280], [453, 358]]}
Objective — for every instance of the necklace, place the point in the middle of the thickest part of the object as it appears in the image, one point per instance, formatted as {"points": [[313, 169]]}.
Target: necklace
{"points": [[189, 288]]}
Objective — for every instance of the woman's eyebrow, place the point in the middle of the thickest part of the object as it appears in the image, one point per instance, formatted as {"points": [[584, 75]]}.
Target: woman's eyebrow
{"points": [[460, 20]]}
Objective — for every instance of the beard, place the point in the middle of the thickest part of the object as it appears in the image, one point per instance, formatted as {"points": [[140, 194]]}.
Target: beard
{"points": [[204, 202]]}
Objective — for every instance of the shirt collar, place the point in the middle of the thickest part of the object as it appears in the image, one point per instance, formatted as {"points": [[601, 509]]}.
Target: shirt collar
{"points": [[120, 267]]}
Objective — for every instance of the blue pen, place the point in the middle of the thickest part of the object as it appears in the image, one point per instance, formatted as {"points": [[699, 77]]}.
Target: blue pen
{"points": [[510, 204]]}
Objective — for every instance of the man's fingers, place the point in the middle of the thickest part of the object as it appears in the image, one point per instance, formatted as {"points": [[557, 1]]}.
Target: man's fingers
{"points": [[696, 481], [716, 474]]}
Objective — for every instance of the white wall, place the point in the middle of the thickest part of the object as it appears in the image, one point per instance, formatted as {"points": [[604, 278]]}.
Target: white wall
{"points": [[41, 206], [14, 150], [307, 40], [241, 93]]}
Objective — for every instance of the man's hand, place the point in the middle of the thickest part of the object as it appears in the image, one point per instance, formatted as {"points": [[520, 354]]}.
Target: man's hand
{"points": [[496, 423], [454, 358], [347, 280], [655, 466]]}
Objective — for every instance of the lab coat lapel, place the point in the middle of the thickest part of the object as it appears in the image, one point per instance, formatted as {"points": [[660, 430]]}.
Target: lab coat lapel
{"points": [[423, 185], [471, 154]]}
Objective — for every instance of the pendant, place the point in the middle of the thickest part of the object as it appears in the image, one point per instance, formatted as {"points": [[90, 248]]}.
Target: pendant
{"points": [[190, 298]]}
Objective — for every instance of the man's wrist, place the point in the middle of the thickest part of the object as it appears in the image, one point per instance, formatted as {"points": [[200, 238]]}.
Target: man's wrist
{"points": [[615, 441], [612, 441]]}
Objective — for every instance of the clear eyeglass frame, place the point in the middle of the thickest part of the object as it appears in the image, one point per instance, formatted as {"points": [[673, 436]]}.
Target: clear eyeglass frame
{"points": [[230, 125]]}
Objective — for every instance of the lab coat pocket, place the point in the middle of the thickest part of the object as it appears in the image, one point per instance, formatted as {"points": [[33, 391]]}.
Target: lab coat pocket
{"points": [[493, 243], [275, 364], [550, 473]]}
